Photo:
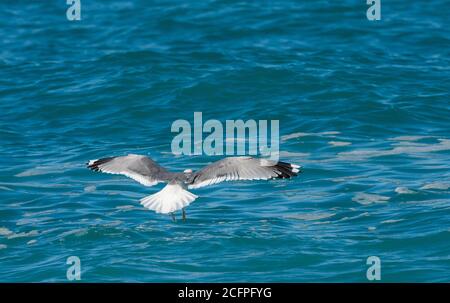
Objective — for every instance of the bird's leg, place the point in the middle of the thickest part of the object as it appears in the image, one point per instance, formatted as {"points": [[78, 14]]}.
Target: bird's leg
{"points": [[184, 215], [173, 217]]}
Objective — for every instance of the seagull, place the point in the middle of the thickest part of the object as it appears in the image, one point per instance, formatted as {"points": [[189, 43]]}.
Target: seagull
{"points": [[175, 196]]}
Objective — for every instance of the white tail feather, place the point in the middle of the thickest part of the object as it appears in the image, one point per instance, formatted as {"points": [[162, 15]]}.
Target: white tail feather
{"points": [[171, 198]]}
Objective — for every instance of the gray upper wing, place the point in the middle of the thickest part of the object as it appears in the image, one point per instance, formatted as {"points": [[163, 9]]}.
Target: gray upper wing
{"points": [[140, 168], [241, 168]]}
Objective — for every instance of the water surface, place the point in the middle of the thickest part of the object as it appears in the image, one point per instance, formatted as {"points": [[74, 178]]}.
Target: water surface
{"points": [[363, 107]]}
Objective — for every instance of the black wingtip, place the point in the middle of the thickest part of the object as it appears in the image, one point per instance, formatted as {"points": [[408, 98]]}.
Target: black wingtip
{"points": [[95, 165], [286, 170]]}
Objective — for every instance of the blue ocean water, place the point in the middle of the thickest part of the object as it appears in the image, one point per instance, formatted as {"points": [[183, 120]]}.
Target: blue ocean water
{"points": [[363, 107]]}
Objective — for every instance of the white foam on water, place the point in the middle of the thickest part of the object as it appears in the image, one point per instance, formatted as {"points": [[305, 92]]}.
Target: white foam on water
{"points": [[27, 221], [285, 154], [365, 199], [362, 215], [371, 228], [408, 144], [321, 222], [45, 170], [23, 234], [347, 178], [125, 208], [437, 185], [44, 212], [294, 136], [311, 216], [90, 188], [330, 133], [76, 232], [390, 221], [409, 138], [443, 145], [434, 203], [31, 242], [112, 224], [3, 246], [404, 191], [33, 172], [301, 134], [5, 232], [339, 143]]}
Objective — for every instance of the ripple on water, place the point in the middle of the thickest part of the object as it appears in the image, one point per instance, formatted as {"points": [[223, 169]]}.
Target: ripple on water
{"points": [[339, 143], [437, 185], [365, 140], [404, 190], [313, 216], [365, 199]]}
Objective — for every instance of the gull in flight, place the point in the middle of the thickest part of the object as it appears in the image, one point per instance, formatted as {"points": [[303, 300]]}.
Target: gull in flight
{"points": [[174, 196]]}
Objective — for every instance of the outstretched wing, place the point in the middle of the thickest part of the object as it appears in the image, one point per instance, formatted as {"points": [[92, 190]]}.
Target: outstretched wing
{"points": [[140, 168], [242, 168]]}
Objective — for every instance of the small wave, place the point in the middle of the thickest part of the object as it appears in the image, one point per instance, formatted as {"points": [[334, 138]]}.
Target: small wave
{"points": [[28, 221], [125, 208], [43, 212], [45, 170], [37, 171], [90, 189], [9, 234], [404, 190], [75, 232], [391, 221], [3, 246], [5, 232], [348, 178], [358, 216], [330, 133], [293, 136], [409, 138], [300, 134], [293, 154], [339, 143], [112, 224], [23, 234], [444, 144], [437, 185], [433, 203], [311, 216], [365, 199]]}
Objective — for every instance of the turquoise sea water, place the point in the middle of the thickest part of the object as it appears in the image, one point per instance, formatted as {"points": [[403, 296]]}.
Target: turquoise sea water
{"points": [[363, 107]]}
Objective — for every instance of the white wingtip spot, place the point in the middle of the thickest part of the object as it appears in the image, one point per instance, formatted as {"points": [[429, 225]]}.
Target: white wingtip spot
{"points": [[92, 161]]}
